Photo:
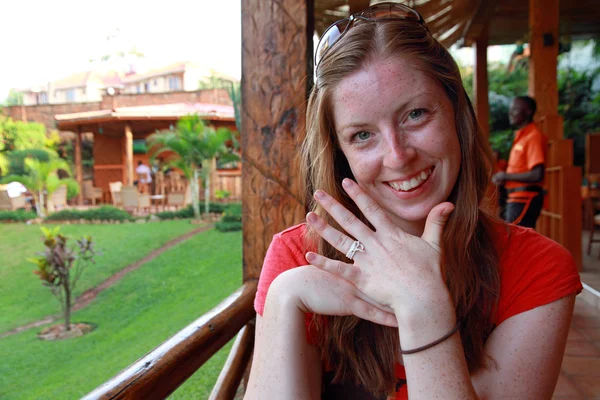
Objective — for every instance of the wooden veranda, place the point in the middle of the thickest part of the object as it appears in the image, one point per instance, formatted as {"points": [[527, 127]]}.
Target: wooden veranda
{"points": [[276, 77], [116, 130]]}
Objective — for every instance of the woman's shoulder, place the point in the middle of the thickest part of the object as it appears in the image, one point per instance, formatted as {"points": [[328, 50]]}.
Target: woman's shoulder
{"points": [[534, 270]]}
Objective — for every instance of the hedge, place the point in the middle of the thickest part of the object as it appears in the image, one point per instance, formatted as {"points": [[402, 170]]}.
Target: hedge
{"points": [[104, 213]]}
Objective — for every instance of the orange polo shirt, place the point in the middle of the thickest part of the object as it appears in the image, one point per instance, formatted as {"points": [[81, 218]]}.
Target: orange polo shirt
{"points": [[528, 150]]}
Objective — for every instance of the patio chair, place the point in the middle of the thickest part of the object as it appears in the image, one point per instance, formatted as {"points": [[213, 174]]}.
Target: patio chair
{"points": [[90, 192], [134, 200], [58, 199], [180, 199], [593, 209], [115, 193], [8, 203]]}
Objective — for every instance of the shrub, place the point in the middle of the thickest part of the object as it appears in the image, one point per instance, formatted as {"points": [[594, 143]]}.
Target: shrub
{"points": [[188, 212], [231, 219], [104, 213], [17, 216], [17, 158]]}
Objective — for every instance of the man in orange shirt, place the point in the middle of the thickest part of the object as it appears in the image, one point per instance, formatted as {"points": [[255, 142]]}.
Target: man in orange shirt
{"points": [[524, 175]]}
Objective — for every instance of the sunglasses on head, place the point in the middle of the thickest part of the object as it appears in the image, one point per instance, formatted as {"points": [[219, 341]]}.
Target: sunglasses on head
{"points": [[387, 11]]}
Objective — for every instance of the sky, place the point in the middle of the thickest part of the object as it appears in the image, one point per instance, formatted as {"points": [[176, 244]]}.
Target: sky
{"points": [[46, 40]]}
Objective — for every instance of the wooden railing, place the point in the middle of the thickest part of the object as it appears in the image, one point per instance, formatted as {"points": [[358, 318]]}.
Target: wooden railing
{"points": [[164, 369], [560, 219]]}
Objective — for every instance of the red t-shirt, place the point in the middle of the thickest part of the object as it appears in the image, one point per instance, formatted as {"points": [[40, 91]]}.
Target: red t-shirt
{"points": [[534, 271]]}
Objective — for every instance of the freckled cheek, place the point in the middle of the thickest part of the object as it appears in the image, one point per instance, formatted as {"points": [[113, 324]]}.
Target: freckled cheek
{"points": [[364, 168]]}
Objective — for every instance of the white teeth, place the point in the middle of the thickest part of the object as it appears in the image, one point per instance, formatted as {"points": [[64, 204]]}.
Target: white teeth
{"points": [[411, 183]]}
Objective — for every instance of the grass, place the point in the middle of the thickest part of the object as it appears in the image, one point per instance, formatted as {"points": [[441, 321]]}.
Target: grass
{"points": [[23, 297], [138, 313]]}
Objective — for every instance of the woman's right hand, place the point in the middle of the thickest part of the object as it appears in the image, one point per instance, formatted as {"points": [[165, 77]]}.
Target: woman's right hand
{"points": [[313, 290]]}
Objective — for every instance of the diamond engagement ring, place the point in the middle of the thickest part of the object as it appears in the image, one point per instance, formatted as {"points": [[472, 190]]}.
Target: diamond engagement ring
{"points": [[356, 246]]}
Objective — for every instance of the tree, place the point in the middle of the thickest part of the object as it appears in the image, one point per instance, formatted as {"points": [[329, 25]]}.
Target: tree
{"points": [[60, 266], [14, 98], [42, 179], [193, 148]]}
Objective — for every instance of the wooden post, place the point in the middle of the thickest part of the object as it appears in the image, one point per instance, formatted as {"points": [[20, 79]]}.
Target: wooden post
{"points": [[480, 83], [276, 61], [544, 36], [78, 165], [129, 154]]}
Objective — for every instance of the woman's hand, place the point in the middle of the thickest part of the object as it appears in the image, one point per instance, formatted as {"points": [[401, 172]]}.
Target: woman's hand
{"points": [[315, 291], [396, 269]]}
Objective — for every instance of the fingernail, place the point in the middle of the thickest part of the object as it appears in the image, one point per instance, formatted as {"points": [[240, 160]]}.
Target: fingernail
{"points": [[310, 257], [319, 195], [347, 183], [311, 217], [447, 211]]}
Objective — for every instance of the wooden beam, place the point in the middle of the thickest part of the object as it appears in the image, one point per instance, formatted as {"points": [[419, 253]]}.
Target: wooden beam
{"points": [[480, 84], [129, 154], [275, 65], [233, 371], [479, 23], [543, 32], [78, 165]]}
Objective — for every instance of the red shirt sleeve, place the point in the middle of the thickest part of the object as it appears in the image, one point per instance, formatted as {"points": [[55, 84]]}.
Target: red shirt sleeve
{"points": [[285, 252], [534, 271]]}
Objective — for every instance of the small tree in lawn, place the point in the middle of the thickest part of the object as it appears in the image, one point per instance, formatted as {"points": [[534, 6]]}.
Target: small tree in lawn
{"points": [[60, 266], [193, 148]]}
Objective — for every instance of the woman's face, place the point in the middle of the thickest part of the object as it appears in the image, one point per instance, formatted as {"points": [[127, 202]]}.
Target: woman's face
{"points": [[395, 125]]}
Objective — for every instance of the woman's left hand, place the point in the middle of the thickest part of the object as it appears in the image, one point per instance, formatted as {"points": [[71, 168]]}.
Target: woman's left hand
{"points": [[396, 269]]}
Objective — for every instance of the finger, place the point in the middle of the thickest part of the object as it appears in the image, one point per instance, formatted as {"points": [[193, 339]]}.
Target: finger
{"points": [[348, 221], [366, 311], [344, 270], [434, 226], [372, 302], [369, 207], [340, 241]]}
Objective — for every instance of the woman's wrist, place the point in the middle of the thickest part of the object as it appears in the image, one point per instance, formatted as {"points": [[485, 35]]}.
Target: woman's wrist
{"points": [[425, 319]]}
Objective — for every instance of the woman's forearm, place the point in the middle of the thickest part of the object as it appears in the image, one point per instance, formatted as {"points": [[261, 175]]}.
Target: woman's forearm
{"points": [[285, 366]]}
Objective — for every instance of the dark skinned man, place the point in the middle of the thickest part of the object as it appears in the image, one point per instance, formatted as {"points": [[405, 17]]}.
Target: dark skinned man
{"points": [[524, 175]]}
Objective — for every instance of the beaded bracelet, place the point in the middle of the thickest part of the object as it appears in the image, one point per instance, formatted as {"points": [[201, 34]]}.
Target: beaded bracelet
{"points": [[427, 346]]}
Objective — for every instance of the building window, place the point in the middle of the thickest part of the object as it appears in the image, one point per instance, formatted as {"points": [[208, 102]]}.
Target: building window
{"points": [[43, 98], [174, 83], [71, 95], [146, 87]]}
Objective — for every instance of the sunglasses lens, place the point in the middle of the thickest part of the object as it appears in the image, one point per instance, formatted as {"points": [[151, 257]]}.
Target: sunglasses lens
{"points": [[330, 36]]}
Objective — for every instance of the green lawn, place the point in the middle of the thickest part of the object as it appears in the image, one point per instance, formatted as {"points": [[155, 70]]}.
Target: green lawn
{"points": [[138, 313], [22, 295]]}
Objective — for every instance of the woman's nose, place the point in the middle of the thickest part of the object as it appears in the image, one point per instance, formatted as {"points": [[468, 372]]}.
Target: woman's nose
{"points": [[398, 152]]}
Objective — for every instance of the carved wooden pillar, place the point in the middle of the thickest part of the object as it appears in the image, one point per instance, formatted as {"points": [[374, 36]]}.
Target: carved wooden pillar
{"points": [[480, 83], [78, 165], [544, 36], [129, 154], [276, 60]]}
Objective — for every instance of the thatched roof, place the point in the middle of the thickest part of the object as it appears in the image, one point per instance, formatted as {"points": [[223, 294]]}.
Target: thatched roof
{"points": [[453, 21]]}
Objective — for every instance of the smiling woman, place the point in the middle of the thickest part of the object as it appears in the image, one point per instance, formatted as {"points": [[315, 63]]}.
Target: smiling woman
{"points": [[400, 284]]}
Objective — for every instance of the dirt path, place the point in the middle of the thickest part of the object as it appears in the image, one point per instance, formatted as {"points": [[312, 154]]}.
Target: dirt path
{"points": [[86, 297]]}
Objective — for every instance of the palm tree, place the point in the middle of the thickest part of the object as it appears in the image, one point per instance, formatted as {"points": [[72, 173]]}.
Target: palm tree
{"points": [[193, 148], [42, 178]]}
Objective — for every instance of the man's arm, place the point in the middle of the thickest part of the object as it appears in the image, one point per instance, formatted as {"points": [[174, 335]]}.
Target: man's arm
{"points": [[536, 174]]}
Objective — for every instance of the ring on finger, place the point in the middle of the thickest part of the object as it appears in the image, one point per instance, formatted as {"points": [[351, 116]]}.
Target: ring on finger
{"points": [[356, 246]]}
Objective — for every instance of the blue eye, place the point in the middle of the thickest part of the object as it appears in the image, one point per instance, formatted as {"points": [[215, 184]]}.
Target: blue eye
{"points": [[363, 135], [416, 114]]}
